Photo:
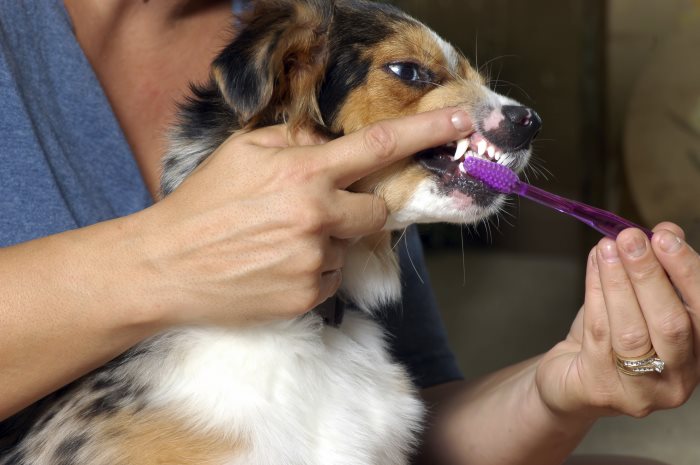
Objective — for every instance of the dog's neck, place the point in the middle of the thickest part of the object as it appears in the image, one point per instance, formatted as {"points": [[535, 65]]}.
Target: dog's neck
{"points": [[371, 275]]}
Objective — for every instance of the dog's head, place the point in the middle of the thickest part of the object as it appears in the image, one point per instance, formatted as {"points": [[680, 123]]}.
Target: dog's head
{"points": [[337, 66]]}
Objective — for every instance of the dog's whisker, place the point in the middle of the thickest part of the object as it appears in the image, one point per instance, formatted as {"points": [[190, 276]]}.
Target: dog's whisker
{"points": [[498, 77], [396, 243], [487, 227], [500, 57], [464, 261], [476, 50], [536, 166], [413, 265], [511, 84]]}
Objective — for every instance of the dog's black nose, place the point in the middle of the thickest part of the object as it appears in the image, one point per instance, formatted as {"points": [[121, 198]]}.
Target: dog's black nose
{"points": [[521, 123]]}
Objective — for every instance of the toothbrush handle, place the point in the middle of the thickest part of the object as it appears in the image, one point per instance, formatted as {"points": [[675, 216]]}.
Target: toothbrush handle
{"points": [[603, 221]]}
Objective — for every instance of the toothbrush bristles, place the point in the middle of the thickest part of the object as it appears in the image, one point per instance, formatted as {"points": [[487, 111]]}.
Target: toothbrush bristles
{"points": [[494, 175]]}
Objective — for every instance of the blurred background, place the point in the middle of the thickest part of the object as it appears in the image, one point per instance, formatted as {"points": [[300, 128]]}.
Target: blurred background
{"points": [[617, 84]]}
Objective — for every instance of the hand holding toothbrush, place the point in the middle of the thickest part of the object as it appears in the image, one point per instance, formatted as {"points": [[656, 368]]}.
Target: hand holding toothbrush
{"points": [[631, 310]]}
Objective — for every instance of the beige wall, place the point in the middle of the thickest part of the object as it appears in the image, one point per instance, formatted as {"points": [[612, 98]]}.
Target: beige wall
{"points": [[636, 30]]}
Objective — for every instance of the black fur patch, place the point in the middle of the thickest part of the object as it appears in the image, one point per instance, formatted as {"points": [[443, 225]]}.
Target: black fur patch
{"points": [[15, 458], [346, 71], [34, 417], [204, 111], [357, 27], [115, 399], [103, 405], [67, 451], [248, 77]]}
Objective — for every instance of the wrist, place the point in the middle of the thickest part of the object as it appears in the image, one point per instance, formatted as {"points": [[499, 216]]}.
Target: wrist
{"points": [[145, 292], [562, 424], [111, 256], [471, 429], [553, 433]]}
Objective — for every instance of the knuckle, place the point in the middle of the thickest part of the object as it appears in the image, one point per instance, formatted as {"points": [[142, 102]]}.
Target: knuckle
{"points": [[297, 170], [633, 339], [689, 269], [310, 217], [617, 284], [677, 397], [644, 273], [380, 211], [641, 411], [675, 328], [380, 140], [602, 401], [599, 330]]}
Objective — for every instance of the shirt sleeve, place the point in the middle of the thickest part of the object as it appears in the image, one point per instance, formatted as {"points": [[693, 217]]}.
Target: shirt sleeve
{"points": [[417, 335]]}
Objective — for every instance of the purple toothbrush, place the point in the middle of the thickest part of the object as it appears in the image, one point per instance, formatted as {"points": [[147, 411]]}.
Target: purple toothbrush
{"points": [[502, 179]]}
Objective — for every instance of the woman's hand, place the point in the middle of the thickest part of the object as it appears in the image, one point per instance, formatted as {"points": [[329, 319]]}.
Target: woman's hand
{"points": [[632, 304], [259, 230]]}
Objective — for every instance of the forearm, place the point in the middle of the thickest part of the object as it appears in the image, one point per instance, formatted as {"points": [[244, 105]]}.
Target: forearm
{"points": [[69, 302], [500, 420]]}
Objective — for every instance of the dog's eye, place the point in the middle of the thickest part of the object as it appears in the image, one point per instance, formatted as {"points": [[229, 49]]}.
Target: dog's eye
{"points": [[411, 73]]}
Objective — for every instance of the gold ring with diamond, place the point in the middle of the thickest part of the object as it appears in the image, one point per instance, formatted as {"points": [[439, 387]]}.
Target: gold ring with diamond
{"points": [[637, 366]]}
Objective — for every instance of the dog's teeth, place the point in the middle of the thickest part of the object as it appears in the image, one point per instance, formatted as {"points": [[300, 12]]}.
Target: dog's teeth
{"points": [[498, 155], [491, 150], [481, 147], [462, 147], [462, 168]]}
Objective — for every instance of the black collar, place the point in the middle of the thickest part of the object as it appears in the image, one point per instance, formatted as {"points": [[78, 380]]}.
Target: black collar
{"points": [[332, 311]]}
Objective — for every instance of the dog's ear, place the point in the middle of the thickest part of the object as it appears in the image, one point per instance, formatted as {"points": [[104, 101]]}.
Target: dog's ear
{"points": [[272, 71]]}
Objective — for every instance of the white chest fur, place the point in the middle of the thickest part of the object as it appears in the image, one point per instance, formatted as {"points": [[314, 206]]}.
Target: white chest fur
{"points": [[297, 392]]}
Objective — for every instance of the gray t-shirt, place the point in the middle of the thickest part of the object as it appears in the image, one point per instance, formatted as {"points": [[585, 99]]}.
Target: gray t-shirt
{"points": [[65, 164]]}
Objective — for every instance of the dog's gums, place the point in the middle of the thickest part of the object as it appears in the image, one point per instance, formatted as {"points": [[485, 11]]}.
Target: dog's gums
{"points": [[447, 162]]}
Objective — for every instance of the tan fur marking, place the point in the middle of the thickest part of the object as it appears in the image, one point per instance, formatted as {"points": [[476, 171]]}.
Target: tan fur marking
{"points": [[300, 57], [220, 82], [383, 97], [154, 438], [395, 184]]}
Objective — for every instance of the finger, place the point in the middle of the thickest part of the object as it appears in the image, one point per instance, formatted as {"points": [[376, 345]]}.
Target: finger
{"points": [[352, 157], [329, 285], [667, 320], [357, 215], [629, 333], [682, 264], [280, 136], [596, 325], [674, 228], [334, 256]]}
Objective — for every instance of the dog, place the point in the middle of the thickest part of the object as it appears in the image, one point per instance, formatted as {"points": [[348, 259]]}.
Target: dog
{"points": [[299, 391]]}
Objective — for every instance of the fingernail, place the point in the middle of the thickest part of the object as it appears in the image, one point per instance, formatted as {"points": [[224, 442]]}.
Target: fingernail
{"points": [[461, 121], [669, 242], [634, 246], [609, 252], [594, 261]]}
